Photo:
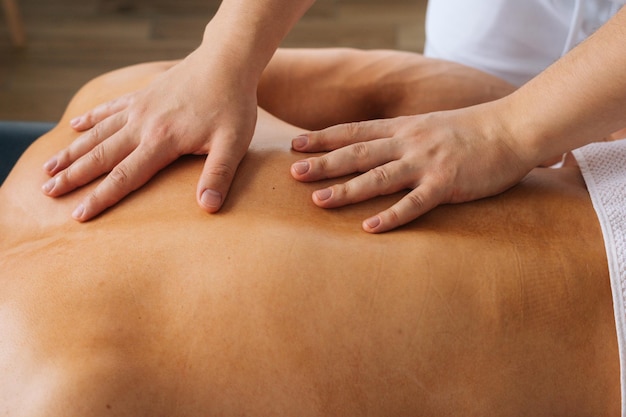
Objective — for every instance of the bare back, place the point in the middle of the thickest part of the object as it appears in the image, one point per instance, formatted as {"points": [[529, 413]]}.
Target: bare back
{"points": [[276, 307]]}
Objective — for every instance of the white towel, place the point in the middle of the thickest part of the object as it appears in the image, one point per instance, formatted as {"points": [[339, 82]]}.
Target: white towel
{"points": [[603, 166]]}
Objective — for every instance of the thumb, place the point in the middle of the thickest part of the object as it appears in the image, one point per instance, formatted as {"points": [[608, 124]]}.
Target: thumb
{"points": [[216, 178]]}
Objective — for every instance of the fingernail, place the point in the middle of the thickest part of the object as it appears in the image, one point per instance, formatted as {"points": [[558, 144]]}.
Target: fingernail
{"points": [[49, 185], [75, 121], [78, 212], [50, 165], [372, 222], [301, 167], [300, 142], [211, 198], [323, 194]]}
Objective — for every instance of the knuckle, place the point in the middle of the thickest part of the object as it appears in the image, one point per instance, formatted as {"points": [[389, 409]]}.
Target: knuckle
{"points": [[322, 163], [70, 175], [119, 177], [164, 144], [161, 129], [348, 193], [97, 156], [63, 179], [159, 137], [92, 199], [89, 118], [221, 170], [104, 109], [67, 179], [393, 216], [95, 134], [109, 105], [64, 157], [95, 202], [360, 151], [341, 191], [416, 202], [353, 130], [341, 194], [317, 140], [158, 131], [381, 176]]}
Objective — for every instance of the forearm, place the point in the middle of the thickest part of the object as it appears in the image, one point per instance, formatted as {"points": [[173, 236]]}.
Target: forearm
{"points": [[248, 32], [341, 85], [579, 99]]}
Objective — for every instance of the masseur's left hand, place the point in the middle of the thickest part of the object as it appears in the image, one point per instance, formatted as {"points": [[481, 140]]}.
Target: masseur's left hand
{"points": [[479, 151], [445, 157]]}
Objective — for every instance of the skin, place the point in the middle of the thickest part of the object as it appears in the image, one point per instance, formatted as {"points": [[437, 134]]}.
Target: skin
{"points": [[463, 155], [435, 156], [335, 86], [204, 105], [140, 313]]}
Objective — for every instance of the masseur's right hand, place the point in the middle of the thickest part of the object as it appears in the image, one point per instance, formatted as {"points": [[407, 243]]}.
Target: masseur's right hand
{"points": [[206, 104], [196, 107]]}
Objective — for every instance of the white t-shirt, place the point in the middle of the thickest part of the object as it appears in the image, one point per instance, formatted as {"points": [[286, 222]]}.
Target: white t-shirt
{"points": [[513, 39]]}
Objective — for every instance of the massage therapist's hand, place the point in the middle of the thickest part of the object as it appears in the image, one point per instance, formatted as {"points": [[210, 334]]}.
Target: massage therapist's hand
{"points": [[446, 157], [199, 106]]}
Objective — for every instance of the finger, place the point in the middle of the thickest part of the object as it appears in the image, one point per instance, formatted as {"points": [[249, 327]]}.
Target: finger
{"points": [[127, 176], [339, 136], [90, 166], [358, 157], [99, 113], [217, 176], [416, 203], [84, 143], [382, 180]]}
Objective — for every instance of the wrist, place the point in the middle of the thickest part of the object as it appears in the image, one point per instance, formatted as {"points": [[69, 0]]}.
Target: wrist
{"points": [[247, 34], [525, 138], [220, 52], [532, 131]]}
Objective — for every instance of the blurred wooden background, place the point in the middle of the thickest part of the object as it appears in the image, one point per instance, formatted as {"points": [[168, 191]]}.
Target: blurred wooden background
{"points": [[71, 41]]}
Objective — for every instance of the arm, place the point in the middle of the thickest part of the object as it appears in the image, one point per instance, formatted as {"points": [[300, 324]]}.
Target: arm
{"points": [[479, 151], [250, 32], [579, 99], [206, 104]]}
